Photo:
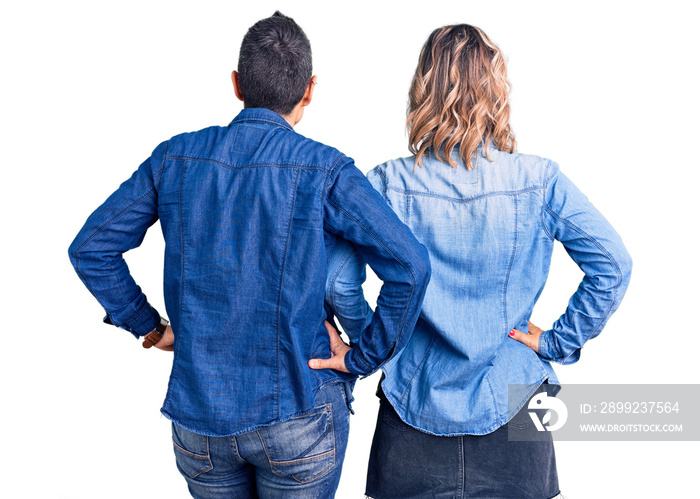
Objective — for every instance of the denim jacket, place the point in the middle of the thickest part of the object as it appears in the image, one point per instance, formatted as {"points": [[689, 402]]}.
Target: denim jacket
{"points": [[249, 213], [490, 233]]}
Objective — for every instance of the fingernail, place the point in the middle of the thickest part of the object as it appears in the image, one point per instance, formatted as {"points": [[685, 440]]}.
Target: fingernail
{"points": [[512, 332]]}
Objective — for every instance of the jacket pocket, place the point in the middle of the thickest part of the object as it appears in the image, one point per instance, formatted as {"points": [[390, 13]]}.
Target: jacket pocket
{"points": [[191, 452], [303, 447]]}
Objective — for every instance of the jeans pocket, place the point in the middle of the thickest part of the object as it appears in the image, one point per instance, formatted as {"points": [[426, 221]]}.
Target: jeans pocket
{"points": [[191, 452], [303, 447]]}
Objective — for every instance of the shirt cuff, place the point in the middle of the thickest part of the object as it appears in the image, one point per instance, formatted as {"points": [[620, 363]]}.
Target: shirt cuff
{"points": [[140, 324], [356, 364], [549, 350]]}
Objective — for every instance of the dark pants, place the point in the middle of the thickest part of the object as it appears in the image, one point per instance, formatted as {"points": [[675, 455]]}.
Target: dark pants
{"points": [[406, 463]]}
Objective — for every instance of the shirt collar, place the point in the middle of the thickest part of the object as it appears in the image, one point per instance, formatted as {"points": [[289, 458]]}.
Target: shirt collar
{"points": [[261, 115]]}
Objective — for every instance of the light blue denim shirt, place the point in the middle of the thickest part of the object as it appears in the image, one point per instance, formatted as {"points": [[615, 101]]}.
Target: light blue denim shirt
{"points": [[490, 232]]}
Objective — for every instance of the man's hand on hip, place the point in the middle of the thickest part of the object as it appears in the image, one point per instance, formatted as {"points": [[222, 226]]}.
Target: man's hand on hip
{"points": [[338, 351], [162, 342]]}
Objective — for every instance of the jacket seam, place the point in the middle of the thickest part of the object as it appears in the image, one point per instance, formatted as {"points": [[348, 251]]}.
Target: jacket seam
{"points": [[544, 205], [113, 218], [159, 173], [106, 223], [329, 173], [464, 200], [284, 125], [404, 394], [510, 264], [246, 167], [384, 181], [277, 388], [407, 208], [182, 245], [100, 229]]}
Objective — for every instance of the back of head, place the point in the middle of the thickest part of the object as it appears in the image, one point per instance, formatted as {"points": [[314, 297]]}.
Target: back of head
{"points": [[459, 96], [274, 65]]}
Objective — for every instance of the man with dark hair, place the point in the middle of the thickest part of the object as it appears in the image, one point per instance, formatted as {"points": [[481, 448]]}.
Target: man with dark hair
{"points": [[258, 396]]}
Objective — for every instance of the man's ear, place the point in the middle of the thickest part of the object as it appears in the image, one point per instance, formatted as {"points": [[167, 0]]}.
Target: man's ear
{"points": [[309, 93], [236, 85]]}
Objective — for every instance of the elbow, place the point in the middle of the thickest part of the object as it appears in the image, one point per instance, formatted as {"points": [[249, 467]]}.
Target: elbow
{"points": [[624, 262], [74, 252], [422, 269]]}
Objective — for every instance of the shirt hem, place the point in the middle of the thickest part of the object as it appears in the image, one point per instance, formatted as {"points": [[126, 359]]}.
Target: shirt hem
{"points": [[250, 428], [491, 429]]}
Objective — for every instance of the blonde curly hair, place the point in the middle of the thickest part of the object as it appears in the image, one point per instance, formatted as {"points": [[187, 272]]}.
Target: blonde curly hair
{"points": [[459, 96]]}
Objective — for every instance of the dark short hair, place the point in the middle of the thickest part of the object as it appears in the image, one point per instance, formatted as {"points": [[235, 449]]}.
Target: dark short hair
{"points": [[274, 66]]}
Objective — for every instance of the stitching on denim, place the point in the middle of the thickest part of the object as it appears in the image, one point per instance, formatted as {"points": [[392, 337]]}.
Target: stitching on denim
{"points": [[396, 258], [262, 441], [320, 475], [115, 217], [325, 454], [523, 401], [279, 296], [247, 429], [329, 174], [614, 264], [305, 459], [360, 359], [198, 456], [384, 181], [325, 408], [404, 394], [332, 435], [302, 166], [336, 274], [284, 125], [97, 231], [544, 203], [328, 429], [234, 448], [407, 209], [465, 200], [462, 469], [138, 315], [184, 451], [490, 387], [159, 173], [182, 245], [510, 264]]}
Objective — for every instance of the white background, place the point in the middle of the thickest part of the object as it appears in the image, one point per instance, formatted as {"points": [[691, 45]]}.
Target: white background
{"points": [[88, 89]]}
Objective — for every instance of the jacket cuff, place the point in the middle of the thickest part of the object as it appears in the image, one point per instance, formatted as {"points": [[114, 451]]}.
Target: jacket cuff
{"points": [[356, 364], [549, 350], [142, 323]]}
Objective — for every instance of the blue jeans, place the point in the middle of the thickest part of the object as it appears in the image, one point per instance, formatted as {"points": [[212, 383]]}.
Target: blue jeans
{"points": [[298, 458], [406, 463]]}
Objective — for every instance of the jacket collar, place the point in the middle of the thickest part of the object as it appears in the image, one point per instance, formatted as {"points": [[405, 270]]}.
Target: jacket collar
{"points": [[261, 115]]}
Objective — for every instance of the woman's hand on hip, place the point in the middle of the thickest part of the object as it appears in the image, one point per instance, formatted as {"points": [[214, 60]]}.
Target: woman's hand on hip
{"points": [[531, 338]]}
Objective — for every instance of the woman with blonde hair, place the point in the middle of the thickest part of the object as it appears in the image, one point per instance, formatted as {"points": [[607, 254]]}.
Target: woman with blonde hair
{"points": [[489, 217]]}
